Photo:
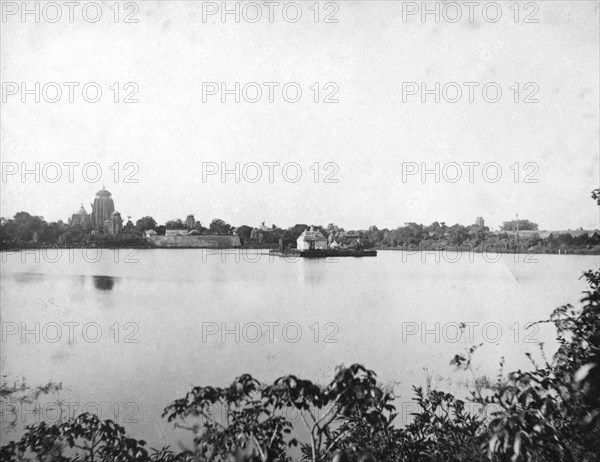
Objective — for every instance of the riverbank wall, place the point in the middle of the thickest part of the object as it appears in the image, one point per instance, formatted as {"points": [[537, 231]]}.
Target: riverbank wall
{"points": [[195, 242]]}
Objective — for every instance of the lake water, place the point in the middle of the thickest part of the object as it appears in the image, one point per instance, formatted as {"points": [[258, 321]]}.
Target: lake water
{"points": [[127, 332]]}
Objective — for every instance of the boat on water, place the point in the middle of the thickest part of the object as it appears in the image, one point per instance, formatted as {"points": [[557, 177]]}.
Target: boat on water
{"points": [[324, 253]]}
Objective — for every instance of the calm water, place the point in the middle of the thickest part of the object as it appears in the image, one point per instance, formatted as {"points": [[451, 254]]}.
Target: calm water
{"points": [[143, 327]]}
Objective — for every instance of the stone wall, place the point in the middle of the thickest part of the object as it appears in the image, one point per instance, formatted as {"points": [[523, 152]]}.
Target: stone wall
{"points": [[200, 242]]}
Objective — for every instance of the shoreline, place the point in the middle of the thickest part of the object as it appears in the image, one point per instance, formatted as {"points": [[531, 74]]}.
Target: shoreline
{"points": [[494, 251], [269, 248]]}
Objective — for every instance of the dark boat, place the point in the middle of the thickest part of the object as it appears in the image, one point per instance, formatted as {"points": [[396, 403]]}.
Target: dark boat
{"points": [[324, 253]]}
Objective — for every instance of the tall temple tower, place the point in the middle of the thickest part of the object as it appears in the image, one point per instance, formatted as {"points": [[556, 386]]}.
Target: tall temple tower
{"points": [[102, 208]]}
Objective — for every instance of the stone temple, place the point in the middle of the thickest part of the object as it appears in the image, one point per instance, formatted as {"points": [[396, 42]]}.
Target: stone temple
{"points": [[102, 208], [81, 218]]}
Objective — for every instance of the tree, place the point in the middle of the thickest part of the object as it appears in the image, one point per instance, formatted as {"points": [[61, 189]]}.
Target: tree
{"points": [[85, 438], [244, 233], [457, 234], [218, 226], [73, 235], [176, 223], [297, 230], [253, 414], [250, 421], [145, 224], [23, 227], [53, 231], [524, 225]]}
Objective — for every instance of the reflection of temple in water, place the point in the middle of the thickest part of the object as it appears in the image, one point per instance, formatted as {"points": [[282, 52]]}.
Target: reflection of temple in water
{"points": [[104, 282]]}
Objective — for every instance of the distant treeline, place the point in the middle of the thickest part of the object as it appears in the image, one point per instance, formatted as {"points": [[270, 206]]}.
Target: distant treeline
{"points": [[25, 230]]}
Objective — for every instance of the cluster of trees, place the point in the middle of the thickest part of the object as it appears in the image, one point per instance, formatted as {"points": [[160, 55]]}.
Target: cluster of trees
{"points": [[439, 236], [25, 227], [519, 225], [551, 412], [415, 234]]}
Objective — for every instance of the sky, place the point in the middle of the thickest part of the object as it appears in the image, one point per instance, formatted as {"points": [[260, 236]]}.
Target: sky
{"points": [[356, 160]]}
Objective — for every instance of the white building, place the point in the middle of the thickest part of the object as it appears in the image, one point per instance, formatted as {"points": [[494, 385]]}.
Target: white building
{"points": [[311, 239]]}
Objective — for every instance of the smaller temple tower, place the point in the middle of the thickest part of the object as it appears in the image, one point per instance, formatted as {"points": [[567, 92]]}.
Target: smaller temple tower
{"points": [[81, 218], [115, 224], [190, 222]]}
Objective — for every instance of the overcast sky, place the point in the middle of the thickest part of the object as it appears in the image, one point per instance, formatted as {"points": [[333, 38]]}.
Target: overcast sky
{"points": [[369, 137]]}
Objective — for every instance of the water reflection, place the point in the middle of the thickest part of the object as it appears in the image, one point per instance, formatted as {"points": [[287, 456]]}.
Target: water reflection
{"points": [[27, 278], [104, 283]]}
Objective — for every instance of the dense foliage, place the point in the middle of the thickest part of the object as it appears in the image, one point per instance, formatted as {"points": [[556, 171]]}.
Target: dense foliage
{"points": [[515, 225]]}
